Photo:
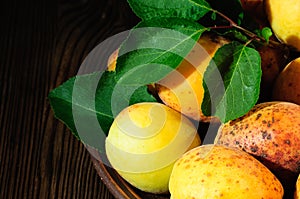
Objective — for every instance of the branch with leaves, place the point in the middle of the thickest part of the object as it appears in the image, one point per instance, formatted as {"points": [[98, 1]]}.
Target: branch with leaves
{"points": [[157, 45]]}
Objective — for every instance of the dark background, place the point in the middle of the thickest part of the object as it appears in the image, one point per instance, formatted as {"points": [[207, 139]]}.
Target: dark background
{"points": [[42, 44]]}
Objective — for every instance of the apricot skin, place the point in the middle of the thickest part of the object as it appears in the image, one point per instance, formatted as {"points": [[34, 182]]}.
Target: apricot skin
{"points": [[284, 19], [140, 150], [270, 131], [297, 191], [287, 84], [273, 60], [186, 95], [220, 172]]}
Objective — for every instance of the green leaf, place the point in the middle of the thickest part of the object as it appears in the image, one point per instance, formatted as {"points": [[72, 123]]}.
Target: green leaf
{"points": [[266, 32], [74, 104], [188, 9], [141, 95], [161, 41], [83, 104], [232, 82], [88, 104], [240, 18], [213, 16], [112, 91], [61, 103], [237, 35], [152, 50]]}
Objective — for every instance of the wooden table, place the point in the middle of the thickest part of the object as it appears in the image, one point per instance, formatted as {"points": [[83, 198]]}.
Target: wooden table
{"points": [[42, 45]]}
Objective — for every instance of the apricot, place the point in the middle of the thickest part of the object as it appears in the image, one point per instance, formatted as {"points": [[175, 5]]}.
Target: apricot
{"points": [[287, 84], [284, 17], [273, 60], [182, 89], [210, 171], [270, 131], [112, 60], [145, 140], [297, 191]]}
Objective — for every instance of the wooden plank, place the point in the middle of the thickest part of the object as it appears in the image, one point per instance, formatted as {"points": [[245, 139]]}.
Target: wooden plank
{"points": [[42, 45]]}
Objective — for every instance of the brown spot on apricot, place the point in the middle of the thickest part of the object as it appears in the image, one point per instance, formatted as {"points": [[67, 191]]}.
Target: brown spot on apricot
{"points": [[275, 144], [247, 125], [264, 134], [228, 165], [254, 148], [258, 116], [288, 142]]}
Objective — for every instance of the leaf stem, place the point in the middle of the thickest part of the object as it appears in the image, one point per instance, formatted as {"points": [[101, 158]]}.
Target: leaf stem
{"points": [[249, 41], [231, 22], [252, 35]]}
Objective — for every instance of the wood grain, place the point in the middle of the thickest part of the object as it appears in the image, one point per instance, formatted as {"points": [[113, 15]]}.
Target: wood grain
{"points": [[42, 45]]}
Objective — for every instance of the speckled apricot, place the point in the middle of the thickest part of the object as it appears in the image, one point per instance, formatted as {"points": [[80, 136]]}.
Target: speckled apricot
{"points": [[217, 171], [270, 132]]}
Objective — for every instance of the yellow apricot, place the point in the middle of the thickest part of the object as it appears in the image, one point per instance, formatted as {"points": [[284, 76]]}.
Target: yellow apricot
{"points": [[145, 140], [182, 89], [284, 17]]}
